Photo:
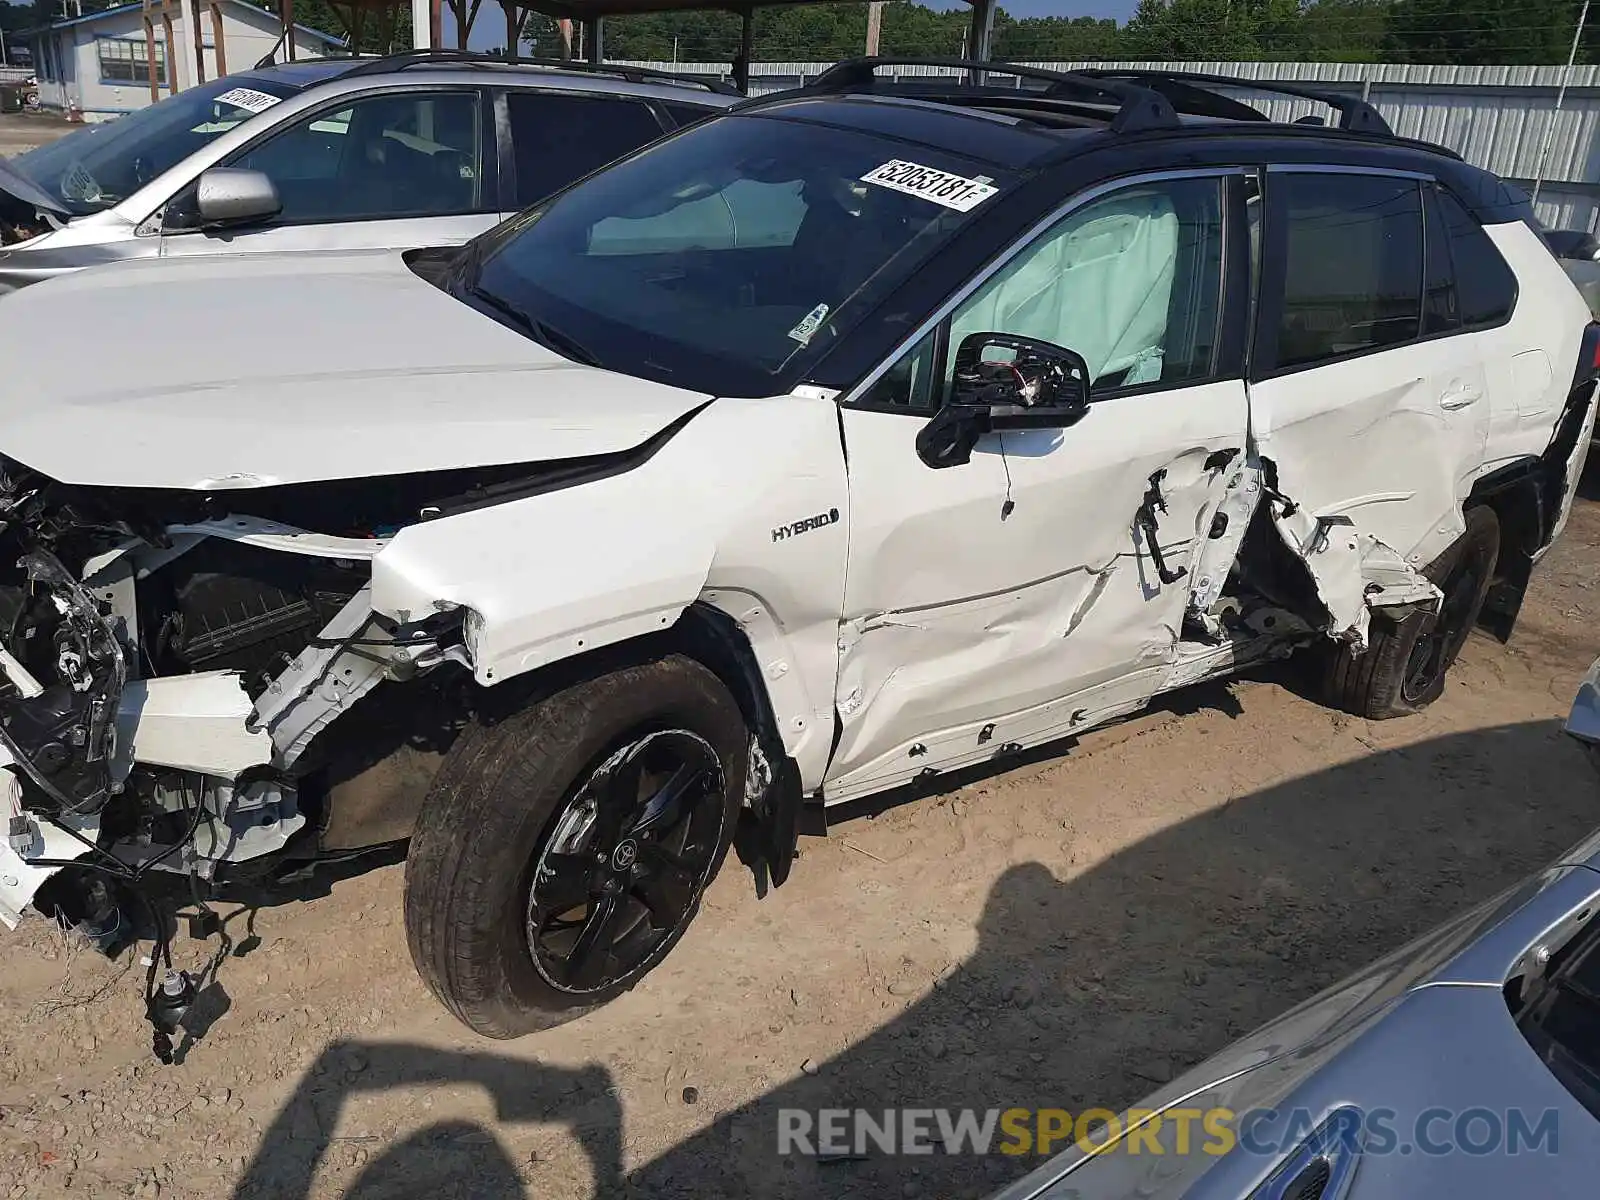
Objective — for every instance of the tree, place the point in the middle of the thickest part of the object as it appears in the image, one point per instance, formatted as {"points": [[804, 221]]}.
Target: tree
{"points": [[1190, 29], [1445, 31], [1345, 30], [1480, 31], [332, 17]]}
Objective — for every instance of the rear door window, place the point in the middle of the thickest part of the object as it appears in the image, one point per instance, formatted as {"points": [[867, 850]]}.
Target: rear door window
{"points": [[1441, 309], [1352, 264], [557, 138]]}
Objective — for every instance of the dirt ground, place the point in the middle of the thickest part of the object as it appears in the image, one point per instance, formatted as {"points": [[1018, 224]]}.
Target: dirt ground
{"points": [[1071, 932], [24, 131], [1068, 933]]}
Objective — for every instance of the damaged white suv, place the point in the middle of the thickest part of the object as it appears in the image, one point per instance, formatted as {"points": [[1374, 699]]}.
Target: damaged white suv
{"points": [[858, 435]]}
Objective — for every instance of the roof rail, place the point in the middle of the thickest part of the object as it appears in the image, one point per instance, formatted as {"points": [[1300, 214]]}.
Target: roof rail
{"points": [[1138, 108], [412, 58], [1355, 115]]}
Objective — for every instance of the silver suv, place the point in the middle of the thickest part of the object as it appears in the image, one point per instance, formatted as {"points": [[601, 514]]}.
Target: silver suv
{"points": [[424, 148]]}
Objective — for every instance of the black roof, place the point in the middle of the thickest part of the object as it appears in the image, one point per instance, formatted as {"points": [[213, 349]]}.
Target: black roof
{"points": [[1040, 116]]}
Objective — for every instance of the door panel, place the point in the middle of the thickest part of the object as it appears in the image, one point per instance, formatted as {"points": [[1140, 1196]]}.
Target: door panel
{"points": [[958, 617], [1015, 596], [1365, 421]]}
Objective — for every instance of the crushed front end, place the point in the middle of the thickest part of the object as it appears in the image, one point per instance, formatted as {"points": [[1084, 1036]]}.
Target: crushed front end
{"points": [[171, 673]]}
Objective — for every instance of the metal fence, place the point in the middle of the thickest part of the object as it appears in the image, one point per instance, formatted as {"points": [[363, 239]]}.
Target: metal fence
{"points": [[1499, 118]]}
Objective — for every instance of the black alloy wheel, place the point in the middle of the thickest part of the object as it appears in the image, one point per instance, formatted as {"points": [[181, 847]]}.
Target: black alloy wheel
{"points": [[626, 861]]}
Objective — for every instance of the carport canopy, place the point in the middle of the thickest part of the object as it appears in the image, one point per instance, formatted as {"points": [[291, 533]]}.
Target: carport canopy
{"points": [[592, 14]]}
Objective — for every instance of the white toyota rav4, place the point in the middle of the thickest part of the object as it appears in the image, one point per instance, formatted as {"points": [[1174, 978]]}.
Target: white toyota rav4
{"points": [[861, 434]]}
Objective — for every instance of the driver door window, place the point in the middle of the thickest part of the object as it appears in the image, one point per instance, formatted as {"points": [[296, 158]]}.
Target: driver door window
{"points": [[1131, 281], [410, 154]]}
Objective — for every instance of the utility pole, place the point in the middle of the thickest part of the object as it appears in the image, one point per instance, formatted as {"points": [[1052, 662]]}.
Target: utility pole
{"points": [[1561, 96], [874, 26]]}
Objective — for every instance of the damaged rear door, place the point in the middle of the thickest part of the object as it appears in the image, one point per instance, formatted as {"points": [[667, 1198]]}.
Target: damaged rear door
{"points": [[1042, 583], [1369, 398]]}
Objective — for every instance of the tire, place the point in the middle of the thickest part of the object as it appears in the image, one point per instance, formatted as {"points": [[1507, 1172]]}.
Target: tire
{"points": [[504, 868], [1404, 667]]}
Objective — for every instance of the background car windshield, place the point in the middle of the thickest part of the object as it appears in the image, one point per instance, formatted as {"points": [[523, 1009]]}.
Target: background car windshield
{"points": [[730, 257], [102, 164]]}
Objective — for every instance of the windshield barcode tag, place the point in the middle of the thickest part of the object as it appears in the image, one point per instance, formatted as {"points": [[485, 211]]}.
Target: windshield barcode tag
{"points": [[941, 187], [243, 97]]}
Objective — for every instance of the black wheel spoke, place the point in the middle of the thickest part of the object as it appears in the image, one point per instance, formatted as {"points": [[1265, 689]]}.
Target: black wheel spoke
{"points": [[615, 788], [626, 861], [666, 808], [591, 952], [658, 856], [564, 882], [667, 894]]}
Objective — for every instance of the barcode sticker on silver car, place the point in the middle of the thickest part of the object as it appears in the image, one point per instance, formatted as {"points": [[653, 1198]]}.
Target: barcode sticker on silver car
{"points": [[941, 187], [244, 97]]}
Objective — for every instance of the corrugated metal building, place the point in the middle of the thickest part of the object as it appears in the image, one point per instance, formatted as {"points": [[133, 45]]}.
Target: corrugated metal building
{"points": [[1497, 117]]}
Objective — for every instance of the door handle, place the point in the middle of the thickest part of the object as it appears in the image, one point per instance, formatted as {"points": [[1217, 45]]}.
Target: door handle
{"points": [[1459, 395]]}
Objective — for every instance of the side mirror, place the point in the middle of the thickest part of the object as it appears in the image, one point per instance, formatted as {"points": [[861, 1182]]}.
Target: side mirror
{"points": [[1004, 381], [232, 196]]}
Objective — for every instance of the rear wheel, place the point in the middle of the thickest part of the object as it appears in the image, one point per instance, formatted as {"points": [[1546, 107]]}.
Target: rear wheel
{"points": [[563, 852], [1404, 667]]}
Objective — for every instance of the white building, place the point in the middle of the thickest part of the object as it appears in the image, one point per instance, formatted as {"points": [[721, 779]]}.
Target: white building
{"points": [[99, 65]]}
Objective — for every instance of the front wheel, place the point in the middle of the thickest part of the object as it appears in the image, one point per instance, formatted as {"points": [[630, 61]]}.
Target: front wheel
{"points": [[562, 852], [1404, 666]]}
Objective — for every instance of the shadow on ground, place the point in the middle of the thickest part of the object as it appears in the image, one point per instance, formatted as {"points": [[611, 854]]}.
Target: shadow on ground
{"points": [[1087, 991]]}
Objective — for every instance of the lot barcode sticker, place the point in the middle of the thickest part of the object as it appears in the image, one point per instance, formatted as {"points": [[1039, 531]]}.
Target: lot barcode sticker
{"points": [[243, 97], [941, 187]]}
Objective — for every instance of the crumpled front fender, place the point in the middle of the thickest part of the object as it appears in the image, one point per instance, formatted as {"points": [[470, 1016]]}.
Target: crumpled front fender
{"points": [[550, 576]]}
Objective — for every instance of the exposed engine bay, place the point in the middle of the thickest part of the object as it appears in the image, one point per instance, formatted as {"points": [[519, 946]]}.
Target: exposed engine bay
{"points": [[169, 673]]}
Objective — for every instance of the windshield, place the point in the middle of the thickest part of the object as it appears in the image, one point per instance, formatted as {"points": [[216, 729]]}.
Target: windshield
{"points": [[102, 164], [730, 257]]}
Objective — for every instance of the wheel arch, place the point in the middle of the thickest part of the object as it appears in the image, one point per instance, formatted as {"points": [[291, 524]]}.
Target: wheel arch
{"points": [[1514, 494], [774, 814], [1530, 497]]}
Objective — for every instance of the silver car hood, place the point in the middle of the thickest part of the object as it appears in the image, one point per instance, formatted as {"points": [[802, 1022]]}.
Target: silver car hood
{"points": [[20, 188], [243, 371]]}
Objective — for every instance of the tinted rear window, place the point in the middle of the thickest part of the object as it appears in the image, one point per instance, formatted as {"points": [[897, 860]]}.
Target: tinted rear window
{"points": [[1353, 272], [1485, 285], [559, 138]]}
